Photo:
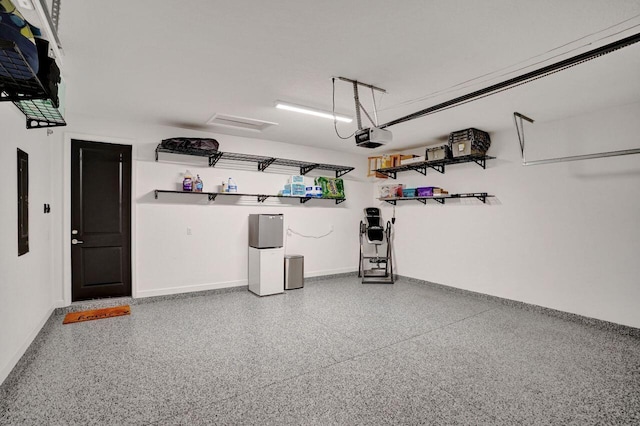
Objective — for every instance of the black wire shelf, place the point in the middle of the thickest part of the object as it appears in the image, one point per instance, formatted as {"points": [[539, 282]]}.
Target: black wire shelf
{"points": [[482, 196], [20, 85], [260, 197], [437, 165], [263, 162]]}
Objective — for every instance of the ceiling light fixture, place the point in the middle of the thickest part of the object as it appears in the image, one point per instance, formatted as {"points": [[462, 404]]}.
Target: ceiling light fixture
{"points": [[312, 111]]}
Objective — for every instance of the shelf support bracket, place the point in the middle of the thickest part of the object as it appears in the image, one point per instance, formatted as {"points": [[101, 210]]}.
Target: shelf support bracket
{"points": [[306, 169], [422, 169], [340, 201], [422, 200], [155, 193], [262, 165], [481, 197], [392, 175], [262, 198], [437, 167], [393, 202], [340, 173], [213, 160], [212, 197], [440, 200], [304, 200], [482, 162]]}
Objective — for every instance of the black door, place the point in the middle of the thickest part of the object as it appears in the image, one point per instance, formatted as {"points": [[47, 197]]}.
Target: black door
{"points": [[100, 220]]}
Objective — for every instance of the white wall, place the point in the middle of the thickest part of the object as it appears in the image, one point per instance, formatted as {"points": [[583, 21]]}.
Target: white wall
{"points": [[564, 236], [215, 254], [25, 281]]}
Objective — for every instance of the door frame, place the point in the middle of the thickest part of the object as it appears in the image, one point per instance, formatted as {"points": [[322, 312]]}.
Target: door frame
{"points": [[66, 208]]}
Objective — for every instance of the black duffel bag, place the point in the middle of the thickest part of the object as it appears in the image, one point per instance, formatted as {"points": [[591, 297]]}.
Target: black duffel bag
{"points": [[202, 144]]}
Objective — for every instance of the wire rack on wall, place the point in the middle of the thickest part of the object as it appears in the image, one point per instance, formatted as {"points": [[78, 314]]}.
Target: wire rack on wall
{"points": [[20, 85], [262, 161]]}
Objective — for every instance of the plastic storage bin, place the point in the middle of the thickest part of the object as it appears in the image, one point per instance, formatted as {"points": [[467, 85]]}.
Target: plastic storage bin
{"points": [[409, 192]]}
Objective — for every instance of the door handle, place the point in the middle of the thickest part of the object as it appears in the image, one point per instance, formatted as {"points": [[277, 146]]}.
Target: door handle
{"points": [[74, 241]]}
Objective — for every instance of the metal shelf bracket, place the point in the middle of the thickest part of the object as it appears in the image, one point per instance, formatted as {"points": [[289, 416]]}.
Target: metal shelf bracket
{"points": [[262, 165], [340, 201], [393, 202], [440, 200], [437, 167], [304, 200], [212, 197], [262, 198], [482, 162], [392, 175], [212, 160], [340, 173], [155, 193], [423, 201], [306, 169]]}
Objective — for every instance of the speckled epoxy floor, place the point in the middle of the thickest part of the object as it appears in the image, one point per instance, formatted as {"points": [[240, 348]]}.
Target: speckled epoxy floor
{"points": [[335, 352]]}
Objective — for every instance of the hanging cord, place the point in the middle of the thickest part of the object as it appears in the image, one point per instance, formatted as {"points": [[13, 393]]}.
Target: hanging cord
{"points": [[333, 110], [291, 231]]}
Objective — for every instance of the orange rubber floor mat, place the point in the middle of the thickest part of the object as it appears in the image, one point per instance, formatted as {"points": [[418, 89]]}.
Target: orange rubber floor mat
{"points": [[95, 314]]}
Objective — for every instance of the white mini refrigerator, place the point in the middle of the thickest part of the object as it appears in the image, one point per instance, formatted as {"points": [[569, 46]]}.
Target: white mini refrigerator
{"points": [[266, 254], [266, 271]]}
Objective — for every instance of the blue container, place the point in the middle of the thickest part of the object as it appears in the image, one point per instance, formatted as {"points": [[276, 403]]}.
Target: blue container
{"points": [[408, 192]]}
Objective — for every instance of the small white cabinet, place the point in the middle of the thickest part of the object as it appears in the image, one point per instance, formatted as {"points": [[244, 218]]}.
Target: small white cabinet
{"points": [[266, 271]]}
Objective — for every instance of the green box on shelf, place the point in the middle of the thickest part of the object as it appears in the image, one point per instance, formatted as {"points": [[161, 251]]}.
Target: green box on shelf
{"points": [[331, 187]]}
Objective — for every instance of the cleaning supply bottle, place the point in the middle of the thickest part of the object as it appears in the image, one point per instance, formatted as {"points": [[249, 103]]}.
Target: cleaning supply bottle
{"points": [[187, 183], [198, 184], [223, 187], [232, 187]]}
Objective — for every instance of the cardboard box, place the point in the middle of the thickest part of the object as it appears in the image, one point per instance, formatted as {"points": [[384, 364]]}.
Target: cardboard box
{"points": [[411, 159]]}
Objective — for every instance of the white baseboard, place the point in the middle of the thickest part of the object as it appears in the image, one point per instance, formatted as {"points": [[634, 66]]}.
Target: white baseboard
{"points": [[59, 304], [330, 272], [227, 284], [189, 288], [6, 369]]}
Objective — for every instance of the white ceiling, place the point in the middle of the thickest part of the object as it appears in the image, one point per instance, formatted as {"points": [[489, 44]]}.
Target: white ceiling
{"points": [[178, 63]]}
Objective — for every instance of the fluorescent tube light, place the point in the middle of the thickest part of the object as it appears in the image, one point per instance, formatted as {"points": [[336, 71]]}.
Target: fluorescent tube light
{"points": [[312, 111]]}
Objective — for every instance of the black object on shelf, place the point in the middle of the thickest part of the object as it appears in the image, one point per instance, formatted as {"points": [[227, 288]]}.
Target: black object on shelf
{"points": [[20, 85], [437, 165], [262, 161], [482, 196], [261, 197]]}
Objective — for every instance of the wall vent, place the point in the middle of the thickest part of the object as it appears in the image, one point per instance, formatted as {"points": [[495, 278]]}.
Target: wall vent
{"points": [[239, 122]]}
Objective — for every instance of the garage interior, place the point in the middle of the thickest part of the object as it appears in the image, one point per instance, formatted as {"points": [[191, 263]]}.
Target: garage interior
{"points": [[515, 304]]}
